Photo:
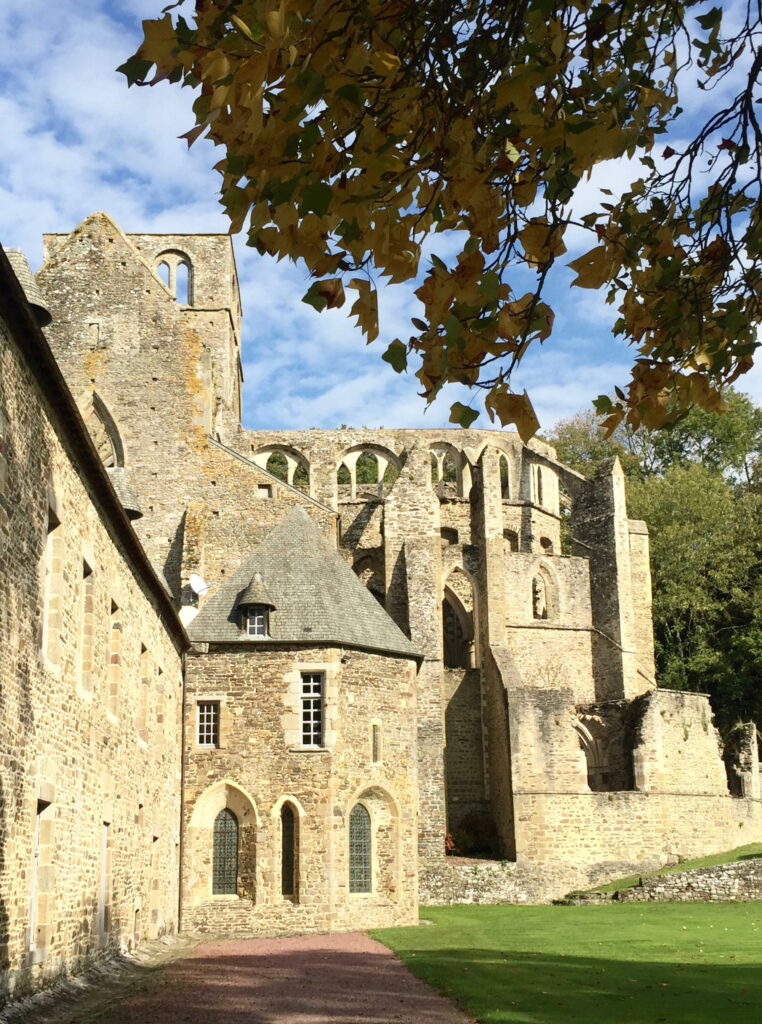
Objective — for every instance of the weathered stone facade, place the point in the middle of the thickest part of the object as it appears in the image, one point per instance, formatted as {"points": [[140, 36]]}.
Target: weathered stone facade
{"points": [[90, 689], [520, 715]]}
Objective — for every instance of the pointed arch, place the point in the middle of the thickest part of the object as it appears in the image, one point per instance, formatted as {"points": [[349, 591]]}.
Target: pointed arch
{"points": [[373, 860], [209, 826], [370, 466], [458, 620], [285, 462], [104, 432], [450, 471], [545, 594], [174, 269], [369, 567]]}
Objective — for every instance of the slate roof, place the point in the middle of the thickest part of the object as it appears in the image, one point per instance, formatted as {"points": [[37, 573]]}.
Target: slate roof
{"points": [[318, 598]]}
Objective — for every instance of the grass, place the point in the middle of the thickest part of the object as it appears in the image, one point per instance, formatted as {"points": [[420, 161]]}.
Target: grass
{"points": [[619, 964], [747, 852]]}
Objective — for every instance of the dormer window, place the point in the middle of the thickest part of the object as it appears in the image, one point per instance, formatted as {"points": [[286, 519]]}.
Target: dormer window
{"points": [[257, 620], [254, 605]]}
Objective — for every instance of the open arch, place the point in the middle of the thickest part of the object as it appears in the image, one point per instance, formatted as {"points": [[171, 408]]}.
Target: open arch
{"points": [[593, 745], [367, 467], [458, 621], [175, 269], [450, 471], [286, 463]]}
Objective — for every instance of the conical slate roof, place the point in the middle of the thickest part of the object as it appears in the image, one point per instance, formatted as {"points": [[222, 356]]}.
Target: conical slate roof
{"points": [[256, 593], [317, 596]]}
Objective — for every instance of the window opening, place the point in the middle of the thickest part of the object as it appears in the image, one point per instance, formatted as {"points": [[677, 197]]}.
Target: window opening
{"points": [[37, 922], [547, 545], [86, 629], [182, 284], [208, 723], [288, 850], [539, 598], [115, 660], [312, 709], [163, 271], [104, 922], [257, 616], [375, 742], [512, 537], [225, 854], [359, 850], [53, 586], [505, 478], [448, 535]]}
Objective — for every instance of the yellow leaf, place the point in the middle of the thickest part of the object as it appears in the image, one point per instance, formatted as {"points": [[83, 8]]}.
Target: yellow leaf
{"points": [[365, 307], [541, 242], [593, 269], [510, 408]]}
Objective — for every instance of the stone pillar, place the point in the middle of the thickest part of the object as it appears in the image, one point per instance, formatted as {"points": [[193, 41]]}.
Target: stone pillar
{"points": [[414, 599], [622, 665]]}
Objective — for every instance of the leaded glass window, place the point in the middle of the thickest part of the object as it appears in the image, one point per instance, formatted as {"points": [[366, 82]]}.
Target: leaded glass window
{"points": [[225, 854], [288, 850], [312, 709], [359, 850]]}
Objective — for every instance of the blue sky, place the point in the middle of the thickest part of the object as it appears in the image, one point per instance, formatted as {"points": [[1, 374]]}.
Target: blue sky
{"points": [[75, 140]]}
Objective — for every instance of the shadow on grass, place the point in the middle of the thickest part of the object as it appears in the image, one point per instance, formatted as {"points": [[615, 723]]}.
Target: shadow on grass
{"points": [[518, 988]]}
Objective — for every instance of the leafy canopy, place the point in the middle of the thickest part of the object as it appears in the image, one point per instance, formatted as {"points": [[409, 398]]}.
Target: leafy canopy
{"points": [[355, 129]]}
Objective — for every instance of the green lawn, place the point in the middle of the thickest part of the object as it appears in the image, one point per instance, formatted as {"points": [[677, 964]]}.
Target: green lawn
{"points": [[748, 852], [619, 964]]}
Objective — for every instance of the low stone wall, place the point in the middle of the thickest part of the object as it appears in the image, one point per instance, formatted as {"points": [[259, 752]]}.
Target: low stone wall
{"points": [[724, 883], [466, 880], [741, 881]]}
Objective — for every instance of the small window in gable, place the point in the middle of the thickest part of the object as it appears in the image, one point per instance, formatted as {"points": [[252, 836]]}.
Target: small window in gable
{"points": [[257, 620]]}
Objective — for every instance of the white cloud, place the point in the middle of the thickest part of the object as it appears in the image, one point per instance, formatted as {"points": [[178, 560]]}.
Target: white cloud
{"points": [[75, 140]]}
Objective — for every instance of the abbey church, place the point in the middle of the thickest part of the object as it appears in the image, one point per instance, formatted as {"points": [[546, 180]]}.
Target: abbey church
{"points": [[266, 682]]}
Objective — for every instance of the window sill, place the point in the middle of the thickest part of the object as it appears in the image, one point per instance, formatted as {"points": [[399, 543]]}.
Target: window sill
{"points": [[309, 750]]}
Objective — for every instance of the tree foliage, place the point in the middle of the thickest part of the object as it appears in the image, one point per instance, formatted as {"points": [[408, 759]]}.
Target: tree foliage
{"points": [[695, 486], [353, 130]]}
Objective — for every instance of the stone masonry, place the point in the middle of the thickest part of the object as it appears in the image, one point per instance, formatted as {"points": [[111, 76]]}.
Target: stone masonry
{"points": [[477, 629]]}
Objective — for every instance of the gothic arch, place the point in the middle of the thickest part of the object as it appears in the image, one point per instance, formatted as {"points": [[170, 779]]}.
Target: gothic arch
{"points": [[174, 269], [450, 471], [104, 432], [458, 620], [199, 843], [293, 466], [383, 810], [387, 467], [595, 749], [545, 593]]}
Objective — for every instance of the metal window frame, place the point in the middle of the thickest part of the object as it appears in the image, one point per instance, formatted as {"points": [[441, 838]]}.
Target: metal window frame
{"points": [[360, 850]]}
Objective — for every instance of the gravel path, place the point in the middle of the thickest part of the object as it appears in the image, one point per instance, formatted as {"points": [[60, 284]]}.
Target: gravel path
{"points": [[315, 979]]}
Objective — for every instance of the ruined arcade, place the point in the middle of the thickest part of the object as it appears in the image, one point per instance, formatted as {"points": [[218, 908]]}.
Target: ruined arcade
{"points": [[392, 641]]}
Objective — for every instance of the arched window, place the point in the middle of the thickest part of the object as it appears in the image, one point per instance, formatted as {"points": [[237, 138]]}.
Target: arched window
{"points": [[505, 478], [539, 598], [225, 854], [512, 537], [547, 545], [278, 465], [288, 851], [359, 850], [182, 283], [448, 535], [163, 271]]}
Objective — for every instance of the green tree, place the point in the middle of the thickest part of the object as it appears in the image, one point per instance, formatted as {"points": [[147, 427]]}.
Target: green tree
{"points": [[729, 443], [353, 130], [706, 556]]}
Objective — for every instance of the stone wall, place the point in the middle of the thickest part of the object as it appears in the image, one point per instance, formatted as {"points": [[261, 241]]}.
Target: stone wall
{"points": [[261, 763], [724, 883], [90, 689]]}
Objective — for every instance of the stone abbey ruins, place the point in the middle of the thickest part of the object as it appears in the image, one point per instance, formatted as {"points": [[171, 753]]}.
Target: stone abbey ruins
{"points": [[257, 682]]}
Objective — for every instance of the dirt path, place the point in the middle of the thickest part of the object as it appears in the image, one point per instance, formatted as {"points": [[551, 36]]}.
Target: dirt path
{"points": [[316, 979]]}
